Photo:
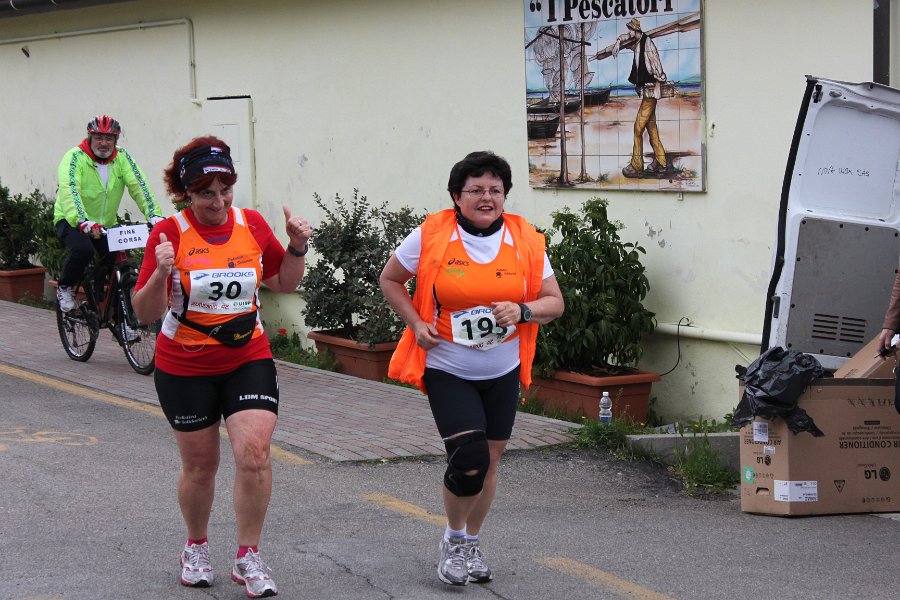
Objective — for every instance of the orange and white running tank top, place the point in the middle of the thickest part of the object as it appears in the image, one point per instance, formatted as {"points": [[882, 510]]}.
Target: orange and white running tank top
{"points": [[212, 284], [464, 290]]}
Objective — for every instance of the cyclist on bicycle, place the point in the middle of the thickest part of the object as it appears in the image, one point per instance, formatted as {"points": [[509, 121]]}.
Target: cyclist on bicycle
{"points": [[92, 179]]}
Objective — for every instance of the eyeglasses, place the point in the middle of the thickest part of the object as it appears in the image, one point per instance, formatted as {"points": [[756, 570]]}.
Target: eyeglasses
{"points": [[496, 193]]}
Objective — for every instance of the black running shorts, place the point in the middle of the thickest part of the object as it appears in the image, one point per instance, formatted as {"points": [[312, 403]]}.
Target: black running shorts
{"points": [[192, 403]]}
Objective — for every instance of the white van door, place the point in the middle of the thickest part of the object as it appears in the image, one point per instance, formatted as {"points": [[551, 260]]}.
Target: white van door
{"points": [[838, 240]]}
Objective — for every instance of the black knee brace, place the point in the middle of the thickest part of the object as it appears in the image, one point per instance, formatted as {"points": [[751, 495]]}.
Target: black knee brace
{"points": [[467, 452]]}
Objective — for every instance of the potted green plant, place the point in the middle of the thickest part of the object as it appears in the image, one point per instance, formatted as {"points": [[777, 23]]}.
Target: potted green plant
{"points": [[344, 306], [597, 342], [50, 249], [19, 220]]}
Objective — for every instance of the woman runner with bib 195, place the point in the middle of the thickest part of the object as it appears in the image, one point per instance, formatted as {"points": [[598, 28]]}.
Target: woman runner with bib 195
{"points": [[212, 357], [483, 284]]}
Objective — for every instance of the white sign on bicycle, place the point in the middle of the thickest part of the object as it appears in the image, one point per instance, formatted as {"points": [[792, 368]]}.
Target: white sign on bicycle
{"points": [[125, 237]]}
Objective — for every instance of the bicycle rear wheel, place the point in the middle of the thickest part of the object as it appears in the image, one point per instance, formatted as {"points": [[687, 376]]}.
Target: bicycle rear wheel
{"points": [[138, 340], [77, 331]]}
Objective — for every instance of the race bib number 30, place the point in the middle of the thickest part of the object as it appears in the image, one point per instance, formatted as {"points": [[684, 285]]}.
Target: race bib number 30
{"points": [[477, 328], [222, 291]]}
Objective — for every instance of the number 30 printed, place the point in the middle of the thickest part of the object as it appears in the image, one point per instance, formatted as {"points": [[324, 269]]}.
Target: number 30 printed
{"points": [[232, 290]]}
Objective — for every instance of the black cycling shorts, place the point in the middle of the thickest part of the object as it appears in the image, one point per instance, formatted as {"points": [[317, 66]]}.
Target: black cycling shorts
{"points": [[460, 404], [192, 403]]}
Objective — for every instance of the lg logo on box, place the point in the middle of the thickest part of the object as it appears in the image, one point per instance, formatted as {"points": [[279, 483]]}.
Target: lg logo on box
{"points": [[884, 473]]}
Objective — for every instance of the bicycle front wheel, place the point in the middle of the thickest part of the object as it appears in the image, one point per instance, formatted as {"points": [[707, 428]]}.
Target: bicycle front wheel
{"points": [[76, 332], [138, 340], [139, 344]]}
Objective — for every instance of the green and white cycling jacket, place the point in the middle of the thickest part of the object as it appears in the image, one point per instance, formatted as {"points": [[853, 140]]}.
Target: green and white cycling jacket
{"points": [[81, 196]]}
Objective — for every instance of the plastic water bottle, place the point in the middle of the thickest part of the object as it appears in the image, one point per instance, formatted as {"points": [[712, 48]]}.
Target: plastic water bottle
{"points": [[605, 408]]}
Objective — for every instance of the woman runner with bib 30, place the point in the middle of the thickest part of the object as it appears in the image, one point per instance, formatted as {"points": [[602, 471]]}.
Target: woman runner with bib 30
{"points": [[212, 357], [483, 284]]}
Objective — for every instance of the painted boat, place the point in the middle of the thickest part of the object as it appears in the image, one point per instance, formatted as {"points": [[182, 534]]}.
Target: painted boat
{"points": [[542, 125], [544, 106], [596, 97]]}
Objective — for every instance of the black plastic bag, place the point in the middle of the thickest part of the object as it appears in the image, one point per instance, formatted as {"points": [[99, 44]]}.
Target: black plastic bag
{"points": [[773, 384]]}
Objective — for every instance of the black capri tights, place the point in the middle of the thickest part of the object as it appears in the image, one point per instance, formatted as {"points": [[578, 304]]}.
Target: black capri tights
{"points": [[487, 405]]}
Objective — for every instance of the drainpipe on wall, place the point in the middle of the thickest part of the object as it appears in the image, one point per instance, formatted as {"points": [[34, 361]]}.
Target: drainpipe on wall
{"points": [[192, 67], [732, 338], [712, 335]]}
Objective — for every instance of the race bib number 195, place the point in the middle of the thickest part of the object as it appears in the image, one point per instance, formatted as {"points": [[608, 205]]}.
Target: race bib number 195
{"points": [[477, 328]]}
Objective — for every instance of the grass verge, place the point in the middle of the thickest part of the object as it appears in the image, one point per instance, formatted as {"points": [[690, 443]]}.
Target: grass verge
{"points": [[699, 466], [289, 348]]}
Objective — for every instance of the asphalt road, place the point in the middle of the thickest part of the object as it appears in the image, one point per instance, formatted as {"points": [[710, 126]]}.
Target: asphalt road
{"points": [[87, 494]]}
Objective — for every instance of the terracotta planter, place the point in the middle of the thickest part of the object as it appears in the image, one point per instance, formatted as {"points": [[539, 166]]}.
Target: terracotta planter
{"points": [[579, 395], [354, 358], [15, 284]]}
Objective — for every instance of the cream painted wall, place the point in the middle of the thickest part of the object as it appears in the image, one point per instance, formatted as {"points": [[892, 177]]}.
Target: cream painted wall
{"points": [[49, 96], [387, 95]]}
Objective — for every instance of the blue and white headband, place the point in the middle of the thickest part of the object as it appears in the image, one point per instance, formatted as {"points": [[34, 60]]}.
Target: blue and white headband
{"points": [[202, 161]]}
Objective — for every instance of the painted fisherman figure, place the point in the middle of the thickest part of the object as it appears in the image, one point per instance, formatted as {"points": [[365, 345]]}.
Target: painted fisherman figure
{"points": [[647, 75]]}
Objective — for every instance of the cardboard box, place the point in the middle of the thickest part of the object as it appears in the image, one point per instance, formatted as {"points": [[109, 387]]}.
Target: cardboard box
{"points": [[853, 468], [867, 364]]}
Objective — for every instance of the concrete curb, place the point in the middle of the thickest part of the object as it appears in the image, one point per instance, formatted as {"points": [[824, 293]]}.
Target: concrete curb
{"points": [[665, 444]]}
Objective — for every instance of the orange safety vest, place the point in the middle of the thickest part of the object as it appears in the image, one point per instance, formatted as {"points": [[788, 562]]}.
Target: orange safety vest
{"points": [[408, 361], [214, 283]]}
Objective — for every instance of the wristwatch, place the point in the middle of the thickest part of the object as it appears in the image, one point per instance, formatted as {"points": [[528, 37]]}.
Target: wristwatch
{"points": [[525, 315], [296, 252]]}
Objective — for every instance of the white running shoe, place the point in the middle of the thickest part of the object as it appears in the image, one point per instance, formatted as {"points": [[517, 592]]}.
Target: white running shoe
{"points": [[478, 571], [251, 572], [65, 296], [195, 568], [131, 335], [452, 566]]}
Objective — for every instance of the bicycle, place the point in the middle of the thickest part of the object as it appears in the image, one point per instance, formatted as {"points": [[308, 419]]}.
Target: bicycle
{"points": [[106, 291]]}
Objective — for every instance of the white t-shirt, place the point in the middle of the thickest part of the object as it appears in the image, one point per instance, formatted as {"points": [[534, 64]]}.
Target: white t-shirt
{"points": [[103, 172], [456, 359]]}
